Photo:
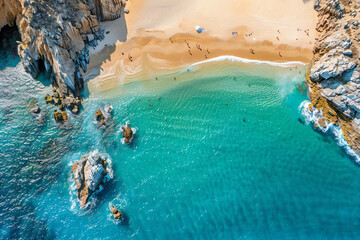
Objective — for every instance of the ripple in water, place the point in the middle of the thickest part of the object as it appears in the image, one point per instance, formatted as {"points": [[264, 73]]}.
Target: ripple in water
{"points": [[203, 172]]}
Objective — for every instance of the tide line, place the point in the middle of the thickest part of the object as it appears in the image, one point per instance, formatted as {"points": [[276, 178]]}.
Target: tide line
{"points": [[245, 60]]}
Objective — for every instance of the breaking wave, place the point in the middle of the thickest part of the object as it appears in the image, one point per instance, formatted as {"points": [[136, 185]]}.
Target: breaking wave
{"points": [[312, 117]]}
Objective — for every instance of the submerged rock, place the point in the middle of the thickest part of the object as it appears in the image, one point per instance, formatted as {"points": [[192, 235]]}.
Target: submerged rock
{"points": [[90, 173], [35, 110]]}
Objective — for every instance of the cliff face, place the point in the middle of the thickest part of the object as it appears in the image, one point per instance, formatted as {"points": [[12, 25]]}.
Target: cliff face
{"points": [[54, 36], [334, 78], [10, 11]]}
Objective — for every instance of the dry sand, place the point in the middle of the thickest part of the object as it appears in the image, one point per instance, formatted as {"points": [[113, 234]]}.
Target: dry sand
{"points": [[274, 29]]}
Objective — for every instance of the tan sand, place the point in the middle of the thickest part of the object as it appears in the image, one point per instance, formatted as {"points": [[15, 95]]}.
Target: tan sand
{"points": [[151, 23]]}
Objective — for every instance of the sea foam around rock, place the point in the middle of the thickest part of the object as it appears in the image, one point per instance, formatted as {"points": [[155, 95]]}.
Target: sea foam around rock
{"points": [[312, 117]]}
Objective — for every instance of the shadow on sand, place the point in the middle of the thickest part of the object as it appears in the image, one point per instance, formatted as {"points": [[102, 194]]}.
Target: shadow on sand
{"points": [[115, 30]]}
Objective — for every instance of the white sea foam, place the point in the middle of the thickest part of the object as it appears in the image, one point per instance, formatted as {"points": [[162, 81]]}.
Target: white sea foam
{"points": [[313, 118], [245, 60]]}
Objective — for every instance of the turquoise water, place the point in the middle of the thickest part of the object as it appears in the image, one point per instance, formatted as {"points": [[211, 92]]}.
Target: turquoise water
{"points": [[232, 160]]}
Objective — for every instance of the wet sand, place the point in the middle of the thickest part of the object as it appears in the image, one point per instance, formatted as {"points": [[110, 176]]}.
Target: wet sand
{"points": [[160, 36]]}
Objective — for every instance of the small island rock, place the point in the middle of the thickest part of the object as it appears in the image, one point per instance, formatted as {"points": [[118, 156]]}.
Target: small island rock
{"points": [[116, 213], [127, 133], [89, 174]]}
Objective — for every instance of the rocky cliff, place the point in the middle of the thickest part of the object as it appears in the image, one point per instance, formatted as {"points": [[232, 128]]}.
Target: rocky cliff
{"points": [[55, 35], [333, 77]]}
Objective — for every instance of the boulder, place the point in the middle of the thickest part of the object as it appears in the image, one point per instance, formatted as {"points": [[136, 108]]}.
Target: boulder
{"points": [[35, 110], [340, 102], [89, 174], [322, 122], [116, 213], [348, 53], [330, 67], [127, 133]]}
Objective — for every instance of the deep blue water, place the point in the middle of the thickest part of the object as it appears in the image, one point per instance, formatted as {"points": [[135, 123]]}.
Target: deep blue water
{"points": [[231, 161]]}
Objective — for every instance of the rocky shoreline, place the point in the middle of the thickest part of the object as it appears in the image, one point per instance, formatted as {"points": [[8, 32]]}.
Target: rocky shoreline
{"points": [[55, 35], [333, 77]]}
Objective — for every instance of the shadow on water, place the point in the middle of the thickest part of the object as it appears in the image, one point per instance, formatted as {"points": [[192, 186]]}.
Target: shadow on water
{"points": [[8, 47], [45, 78]]}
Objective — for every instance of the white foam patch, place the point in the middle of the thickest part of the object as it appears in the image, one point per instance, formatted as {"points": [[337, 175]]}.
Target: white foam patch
{"points": [[313, 118], [245, 60]]}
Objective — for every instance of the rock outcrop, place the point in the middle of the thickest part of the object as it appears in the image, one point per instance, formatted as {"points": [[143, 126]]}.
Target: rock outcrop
{"points": [[116, 213], [127, 133], [103, 114], [333, 77], [55, 35], [90, 173]]}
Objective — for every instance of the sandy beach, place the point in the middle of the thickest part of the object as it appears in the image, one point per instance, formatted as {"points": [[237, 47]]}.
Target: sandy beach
{"points": [[160, 36]]}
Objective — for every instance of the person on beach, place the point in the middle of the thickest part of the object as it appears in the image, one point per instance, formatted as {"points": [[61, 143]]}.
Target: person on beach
{"points": [[208, 51], [280, 54]]}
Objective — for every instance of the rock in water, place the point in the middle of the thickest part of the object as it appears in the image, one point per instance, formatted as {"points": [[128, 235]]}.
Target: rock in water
{"points": [[90, 173], [103, 114], [127, 133], [35, 110], [116, 213], [99, 116]]}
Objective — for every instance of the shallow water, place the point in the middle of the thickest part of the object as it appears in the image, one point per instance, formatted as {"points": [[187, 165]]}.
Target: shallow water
{"points": [[232, 159]]}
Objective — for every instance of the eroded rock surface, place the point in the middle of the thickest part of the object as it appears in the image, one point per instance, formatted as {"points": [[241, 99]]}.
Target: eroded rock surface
{"points": [[333, 76], [90, 173], [116, 213], [54, 36], [127, 133]]}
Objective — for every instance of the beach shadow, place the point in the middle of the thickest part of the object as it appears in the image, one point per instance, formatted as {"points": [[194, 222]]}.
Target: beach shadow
{"points": [[115, 30], [8, 47]]}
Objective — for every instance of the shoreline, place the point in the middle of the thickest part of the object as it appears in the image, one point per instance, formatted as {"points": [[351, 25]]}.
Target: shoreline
{"points": [[285, 72], [159, 36], [149, 59]]}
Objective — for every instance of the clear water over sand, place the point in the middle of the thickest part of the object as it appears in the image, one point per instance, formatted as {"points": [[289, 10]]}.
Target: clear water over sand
{"points": [[233, 159]]}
